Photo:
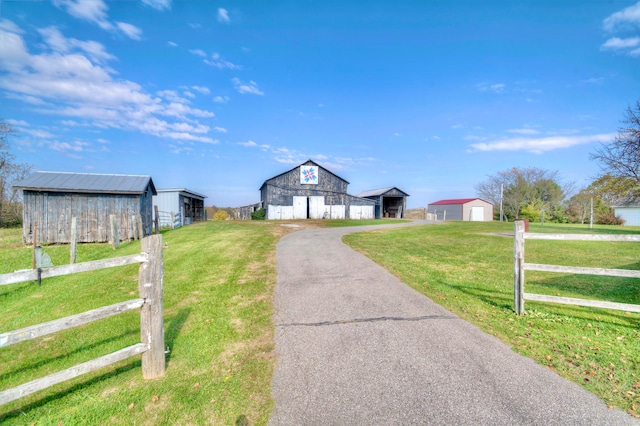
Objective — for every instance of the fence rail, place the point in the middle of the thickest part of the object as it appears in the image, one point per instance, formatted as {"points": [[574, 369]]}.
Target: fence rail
{"points": [[150, 280], [519, 266]]}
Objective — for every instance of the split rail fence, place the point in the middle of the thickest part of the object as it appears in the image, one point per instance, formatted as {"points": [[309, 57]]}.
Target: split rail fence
{"points": [[151, 347], [520, 266]]}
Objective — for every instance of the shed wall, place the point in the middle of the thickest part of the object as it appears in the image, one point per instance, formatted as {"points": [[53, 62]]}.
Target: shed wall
{"points": [[467, 210], [54, 211], [630, 215]]}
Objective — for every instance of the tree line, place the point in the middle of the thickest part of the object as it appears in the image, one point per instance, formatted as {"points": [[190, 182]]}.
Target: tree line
{"points": [[533, 193]]}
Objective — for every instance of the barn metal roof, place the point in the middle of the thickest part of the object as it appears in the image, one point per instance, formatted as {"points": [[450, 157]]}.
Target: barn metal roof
{"points": [[188, 192], [456, 201], [86, 183], [378, 192]]}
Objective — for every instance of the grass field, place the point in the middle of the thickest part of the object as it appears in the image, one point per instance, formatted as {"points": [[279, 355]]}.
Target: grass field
{"points": [[219, 281], [219, 278], [468, 268]]}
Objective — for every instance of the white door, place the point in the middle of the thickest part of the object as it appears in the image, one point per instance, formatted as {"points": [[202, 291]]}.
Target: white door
{"points": [[316, 207], [477, 214], [299, 207]]}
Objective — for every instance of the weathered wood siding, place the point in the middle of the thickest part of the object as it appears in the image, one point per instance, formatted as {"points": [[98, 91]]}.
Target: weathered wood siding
{"points": [[53, 212], [285, 197]]}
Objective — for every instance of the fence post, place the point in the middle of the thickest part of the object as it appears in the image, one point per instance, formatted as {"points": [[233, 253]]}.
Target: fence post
{"points": [[140, 228], [518, 266], [74, 240], [151, 314], [173, 220], [115, 239]]}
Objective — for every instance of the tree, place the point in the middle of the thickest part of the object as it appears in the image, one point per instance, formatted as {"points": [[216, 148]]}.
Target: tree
{"points": [[620, 159], [10, 172], [532, 188]]}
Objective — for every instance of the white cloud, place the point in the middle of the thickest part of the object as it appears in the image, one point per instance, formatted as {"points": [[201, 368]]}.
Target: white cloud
{"points": [[130, 31], [188, 94], [524, 131], [198, 52], [68, 78], [95, 11], [76, 146], [221, 99], [201, 89], [220, 129], [627, 18], [172, 44], [616, 43], [495, 88], [248, 143], [243, 88], [158, 4], [223, 15], [217, 61], [540, 145]]}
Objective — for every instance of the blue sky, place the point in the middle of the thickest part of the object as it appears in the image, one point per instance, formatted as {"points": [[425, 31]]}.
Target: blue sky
{"points": [[430, 96]]}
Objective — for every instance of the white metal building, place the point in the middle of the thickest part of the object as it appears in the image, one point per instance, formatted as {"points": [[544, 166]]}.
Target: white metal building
{"points": [[183, 205], [466, 209], [629, 212]]}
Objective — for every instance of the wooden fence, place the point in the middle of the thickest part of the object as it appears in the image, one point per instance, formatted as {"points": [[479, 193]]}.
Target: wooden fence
{"points": [[151, 318], [520, 266]]}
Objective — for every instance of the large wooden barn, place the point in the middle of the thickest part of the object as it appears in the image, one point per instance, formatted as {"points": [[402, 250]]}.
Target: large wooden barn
{"points": [[309, 191], [53, 199]]}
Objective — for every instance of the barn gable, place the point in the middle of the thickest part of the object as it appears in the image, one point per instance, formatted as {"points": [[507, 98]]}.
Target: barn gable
{"points": [[52, 199], [311, 191]]}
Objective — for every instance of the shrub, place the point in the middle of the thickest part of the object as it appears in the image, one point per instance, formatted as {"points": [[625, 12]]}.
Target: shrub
{"points": [[258, 214], [221, 215]]}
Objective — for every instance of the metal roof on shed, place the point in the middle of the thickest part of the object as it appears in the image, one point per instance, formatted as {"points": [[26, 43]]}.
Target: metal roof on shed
{"points": [[193, 194], [377, 192], [457, 201], [86, 183]]}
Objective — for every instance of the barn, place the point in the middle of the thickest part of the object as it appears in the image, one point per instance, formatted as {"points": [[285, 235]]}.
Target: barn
{"points": [[390, 202], [466, 209], [52, 199], [309, 191], [628, 210], [185, 206]]}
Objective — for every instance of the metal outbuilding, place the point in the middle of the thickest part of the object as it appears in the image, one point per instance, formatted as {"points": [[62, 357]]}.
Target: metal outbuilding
{"points": [[309, 191], [390, 202], [628, 210], [53, 199], [466, 209], [185, 206]]}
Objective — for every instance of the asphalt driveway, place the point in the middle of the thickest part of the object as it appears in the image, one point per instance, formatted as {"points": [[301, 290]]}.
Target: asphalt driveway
{"points": [[355, 346]]}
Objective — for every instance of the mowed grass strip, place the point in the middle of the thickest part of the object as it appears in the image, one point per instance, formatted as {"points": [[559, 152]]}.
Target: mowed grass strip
{"points": [[468, 268], [218, 284]]}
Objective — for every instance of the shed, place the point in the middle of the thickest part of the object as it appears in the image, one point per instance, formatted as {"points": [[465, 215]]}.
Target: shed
{"points": [[53, 199], [466, 209], [309, 191], [390, 202], [628, 210], [183, 205]]}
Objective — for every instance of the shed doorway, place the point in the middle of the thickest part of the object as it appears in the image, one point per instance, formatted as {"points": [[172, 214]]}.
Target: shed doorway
{"points": [[392, 206], [477, 214]]}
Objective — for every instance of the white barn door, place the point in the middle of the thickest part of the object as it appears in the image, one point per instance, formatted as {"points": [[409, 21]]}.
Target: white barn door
{"points": [[299, 207], [477, 214], [316, 207]]}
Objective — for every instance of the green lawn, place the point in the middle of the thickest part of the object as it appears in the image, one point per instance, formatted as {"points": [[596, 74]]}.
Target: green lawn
{"points": [[468, 269], [219, 281]]}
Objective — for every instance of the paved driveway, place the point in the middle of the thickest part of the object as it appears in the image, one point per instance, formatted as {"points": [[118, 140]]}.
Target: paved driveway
{"points": [[355, 346]]}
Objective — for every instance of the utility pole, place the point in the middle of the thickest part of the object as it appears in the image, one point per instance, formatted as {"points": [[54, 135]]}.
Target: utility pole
{"points": [[501, 192]]}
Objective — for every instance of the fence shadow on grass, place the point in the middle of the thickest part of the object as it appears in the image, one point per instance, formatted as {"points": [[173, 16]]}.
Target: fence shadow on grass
{"points": [[83, 348], [173, 329], [70, 389]]}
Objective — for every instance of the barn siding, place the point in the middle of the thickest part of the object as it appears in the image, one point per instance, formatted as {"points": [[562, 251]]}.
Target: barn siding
{"points": [[54, 212]]}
